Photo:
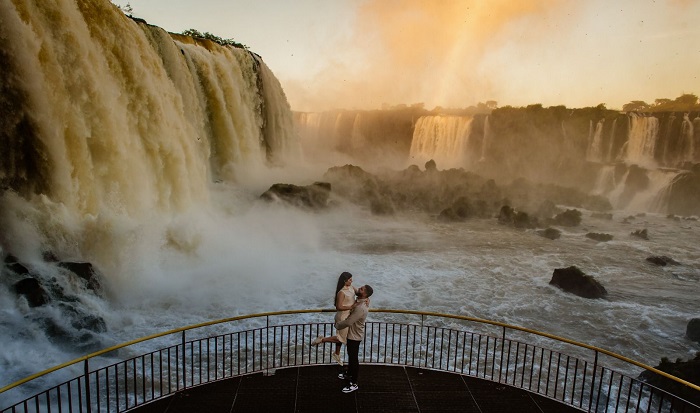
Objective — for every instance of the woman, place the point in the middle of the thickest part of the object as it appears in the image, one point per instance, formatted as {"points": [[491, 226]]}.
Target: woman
{"points": [[344, 302]]}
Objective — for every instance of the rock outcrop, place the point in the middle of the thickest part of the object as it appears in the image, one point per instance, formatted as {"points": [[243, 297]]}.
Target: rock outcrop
{"points": [[692, 331], [662, 260], [551, 233], [599, 236], [311, 196], [574, 281]]}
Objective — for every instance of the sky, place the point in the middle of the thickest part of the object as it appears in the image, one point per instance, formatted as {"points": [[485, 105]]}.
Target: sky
{"points": [[367, 54]]}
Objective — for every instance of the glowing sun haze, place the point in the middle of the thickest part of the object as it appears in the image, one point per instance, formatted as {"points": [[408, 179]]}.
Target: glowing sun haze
{"points": [[455, 53]]}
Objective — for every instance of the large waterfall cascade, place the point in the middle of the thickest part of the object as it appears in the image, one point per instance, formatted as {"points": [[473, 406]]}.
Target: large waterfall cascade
{"points": [[147, 119], [112, 117], [441, 138]]}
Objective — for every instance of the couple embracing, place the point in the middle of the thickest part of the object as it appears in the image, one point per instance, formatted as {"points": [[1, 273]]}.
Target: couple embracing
{"points": [[350, 326]]}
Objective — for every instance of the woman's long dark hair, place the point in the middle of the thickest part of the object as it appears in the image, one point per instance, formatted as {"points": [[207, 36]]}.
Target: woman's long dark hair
{"points": [[341, 283]]}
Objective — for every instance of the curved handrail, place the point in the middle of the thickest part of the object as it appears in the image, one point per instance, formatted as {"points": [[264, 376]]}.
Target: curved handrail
{"points": [[325, 310]]}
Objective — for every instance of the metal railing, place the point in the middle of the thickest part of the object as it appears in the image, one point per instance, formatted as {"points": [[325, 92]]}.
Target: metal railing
{"points": [[582, 376]]}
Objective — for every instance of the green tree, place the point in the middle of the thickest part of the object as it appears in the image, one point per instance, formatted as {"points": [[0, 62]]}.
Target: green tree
{"points": [[636, 106]]}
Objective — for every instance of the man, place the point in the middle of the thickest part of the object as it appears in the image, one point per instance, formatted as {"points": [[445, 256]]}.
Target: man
{"points": [[356, 333]]}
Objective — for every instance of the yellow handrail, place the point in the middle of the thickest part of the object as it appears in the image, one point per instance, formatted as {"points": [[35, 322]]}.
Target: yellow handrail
{"points": [[324, 310]]}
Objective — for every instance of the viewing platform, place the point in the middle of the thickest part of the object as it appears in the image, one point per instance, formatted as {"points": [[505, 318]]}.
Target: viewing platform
{"points": [[382, 389], [410, 361]]}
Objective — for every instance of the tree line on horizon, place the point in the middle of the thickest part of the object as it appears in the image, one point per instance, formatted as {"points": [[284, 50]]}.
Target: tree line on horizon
{"points": [[685, 102]]}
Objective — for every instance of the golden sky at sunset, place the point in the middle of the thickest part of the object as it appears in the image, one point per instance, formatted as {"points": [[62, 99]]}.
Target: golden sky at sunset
{"points": [[456, 53]]}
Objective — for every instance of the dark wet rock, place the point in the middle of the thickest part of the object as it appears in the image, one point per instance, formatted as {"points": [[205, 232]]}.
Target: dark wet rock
{"points": [[431, 166], [79, 341], [641, 233], [381, 206], [519, 219], [81, 319], [85, 271], [506, 215], [311, 196], [17, 268], [686, 370], [602, 215], [49, 256], [13, 264], [568, 218], [462, 209], [33, 291], [574, 281], [551, 233], [662, 260], [599, 236], [692, 331], [523, 220]]}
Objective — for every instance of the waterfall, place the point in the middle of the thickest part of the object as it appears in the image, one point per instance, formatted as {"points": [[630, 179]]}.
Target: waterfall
{"points": [[654, 198], [113, 111], [605, 181], [486, 142], [323, 133], [595, 144], [687, 141], [609, 152], [441, 138], [642, 136], [107, 119]]}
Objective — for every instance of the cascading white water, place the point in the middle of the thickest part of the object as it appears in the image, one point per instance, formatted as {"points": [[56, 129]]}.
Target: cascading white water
{"points": [[486, 143], [687, 140], [605, 181], [595, 143], [650, 199], [441, 138], [641, 142], [609, 151], [147, 121]]}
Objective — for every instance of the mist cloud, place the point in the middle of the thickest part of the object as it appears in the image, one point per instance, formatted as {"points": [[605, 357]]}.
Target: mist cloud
{"points": [[418, 51]]}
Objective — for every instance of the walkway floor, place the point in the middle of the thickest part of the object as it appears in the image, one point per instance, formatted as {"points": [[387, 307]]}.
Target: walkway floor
{"points": [[382, 389]]}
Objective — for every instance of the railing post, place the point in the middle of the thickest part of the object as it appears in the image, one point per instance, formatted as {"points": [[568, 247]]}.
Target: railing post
{"points": [[267, 345], [88, 404], [184, 362], [503, 347], [595, 367]]}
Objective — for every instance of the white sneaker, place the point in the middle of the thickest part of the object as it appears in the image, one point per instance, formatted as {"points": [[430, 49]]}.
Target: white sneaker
{"points": [[337, 359], [318, 340], [350, 388], [343, 376]]}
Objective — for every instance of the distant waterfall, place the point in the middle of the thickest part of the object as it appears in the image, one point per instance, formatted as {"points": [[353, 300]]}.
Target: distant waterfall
{"points": [[486, 142], [641, 142], [605, 181], [595, 145], [321, 133], [687, 141], [609, 151], [441, 138], [653, 199]]}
